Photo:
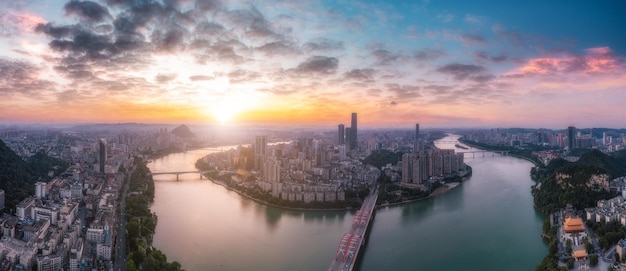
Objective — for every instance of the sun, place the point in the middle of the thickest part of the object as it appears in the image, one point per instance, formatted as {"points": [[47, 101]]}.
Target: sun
{"points": [[223, 112]]}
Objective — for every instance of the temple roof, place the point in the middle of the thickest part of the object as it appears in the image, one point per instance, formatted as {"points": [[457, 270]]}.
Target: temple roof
{"points": [[573, 224]]}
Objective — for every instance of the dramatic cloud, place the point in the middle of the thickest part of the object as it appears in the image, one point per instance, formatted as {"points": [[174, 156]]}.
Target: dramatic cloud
{"points": [[87, 10]]}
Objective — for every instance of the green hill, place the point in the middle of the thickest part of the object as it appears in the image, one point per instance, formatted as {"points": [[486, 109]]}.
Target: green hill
{"points": [[17, 177]]}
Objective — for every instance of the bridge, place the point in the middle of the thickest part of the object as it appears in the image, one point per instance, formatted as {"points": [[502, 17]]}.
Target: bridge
{"points": [[493, 153], [178, 173], [351, 242]]}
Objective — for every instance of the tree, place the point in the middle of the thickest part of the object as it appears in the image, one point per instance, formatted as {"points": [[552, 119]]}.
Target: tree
{"points": [[593, 260], [568, 246], [588, 246], [570, 263], [130, 265]]}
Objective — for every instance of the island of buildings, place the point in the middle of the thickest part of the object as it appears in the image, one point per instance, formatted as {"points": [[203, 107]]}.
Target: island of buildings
{"points": [[323, 168]]}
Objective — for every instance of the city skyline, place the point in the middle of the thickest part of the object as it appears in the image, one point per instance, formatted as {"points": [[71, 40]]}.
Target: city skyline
{"points": [[282, 63]]}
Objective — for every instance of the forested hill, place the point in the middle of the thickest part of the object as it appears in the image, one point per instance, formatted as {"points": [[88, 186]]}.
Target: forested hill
{"points": [[551, 194], [17, 177]]}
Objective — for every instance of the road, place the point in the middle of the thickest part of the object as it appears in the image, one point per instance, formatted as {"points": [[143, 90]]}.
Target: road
{"points": [[120, 246]]}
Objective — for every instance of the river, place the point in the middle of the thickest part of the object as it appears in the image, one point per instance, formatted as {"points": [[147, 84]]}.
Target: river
{"points": [[488, 223]]}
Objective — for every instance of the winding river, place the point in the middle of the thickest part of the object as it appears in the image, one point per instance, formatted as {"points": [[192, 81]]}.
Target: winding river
{"points": [[488, 223]]}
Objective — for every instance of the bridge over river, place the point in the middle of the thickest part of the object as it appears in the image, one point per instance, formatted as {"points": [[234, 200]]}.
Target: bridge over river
{"points": [[178, 173], [351, 242]]}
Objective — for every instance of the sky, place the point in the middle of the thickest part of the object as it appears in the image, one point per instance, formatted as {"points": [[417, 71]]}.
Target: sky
{"points": [[529, 63]]}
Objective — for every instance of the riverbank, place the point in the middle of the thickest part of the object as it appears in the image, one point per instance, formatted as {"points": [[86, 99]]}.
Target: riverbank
{"points": [[436, 192], [229, 188]]}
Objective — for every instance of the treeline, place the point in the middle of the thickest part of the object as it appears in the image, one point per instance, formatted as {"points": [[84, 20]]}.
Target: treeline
{"points": [[141, 224], [18, 177]]}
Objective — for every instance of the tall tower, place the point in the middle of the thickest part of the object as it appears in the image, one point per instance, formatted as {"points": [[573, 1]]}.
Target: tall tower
{"points": [[103, 154], [353, 132], [571, 135], [342, 134], [417, 131], [260, 145]]}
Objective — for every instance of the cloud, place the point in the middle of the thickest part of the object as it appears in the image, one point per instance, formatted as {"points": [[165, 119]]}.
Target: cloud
{"points": [[164, 78], [322, 45], [474, 19], [596, 61], [428, 54], [445, 17], [201, 78], [360, 75], [278, 48], [318, 65], [383, 57], [473, 39], [466, 71], [496, 59], [19, 77], [243, 76], [404, 91], [52, 31], [90, 11], [15, 23]]}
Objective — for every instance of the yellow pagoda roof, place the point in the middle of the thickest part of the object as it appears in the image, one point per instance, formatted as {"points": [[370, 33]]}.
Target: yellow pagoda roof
{"points": [[573, 224], [579, 253]]}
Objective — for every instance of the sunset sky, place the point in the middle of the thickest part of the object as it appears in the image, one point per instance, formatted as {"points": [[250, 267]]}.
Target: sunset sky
{"points": [[440, 63]]}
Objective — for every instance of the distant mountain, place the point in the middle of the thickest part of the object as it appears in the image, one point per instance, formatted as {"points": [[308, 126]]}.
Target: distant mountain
{"points": [[183, 132], [17, 177]]}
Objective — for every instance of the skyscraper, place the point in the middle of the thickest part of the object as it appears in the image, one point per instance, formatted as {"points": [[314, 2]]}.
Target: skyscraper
{"points": [[260, 145], [417, 131], [103, 154], [353, 133], [342, 134], [571, 137], [348, 139]]}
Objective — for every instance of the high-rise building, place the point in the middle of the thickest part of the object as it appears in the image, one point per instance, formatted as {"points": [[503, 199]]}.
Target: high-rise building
{"points": [[353, 132], [417, 131], [40, 190], [342, 134], [260, 145], [349, 137], [571, 137], [260, 148], [103, 154]]}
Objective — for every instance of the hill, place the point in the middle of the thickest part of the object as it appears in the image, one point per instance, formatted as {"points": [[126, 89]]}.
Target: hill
{"points": [[562, 182], [183, 131], [17, 177]]}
